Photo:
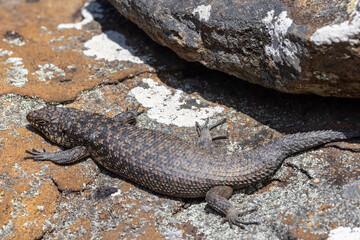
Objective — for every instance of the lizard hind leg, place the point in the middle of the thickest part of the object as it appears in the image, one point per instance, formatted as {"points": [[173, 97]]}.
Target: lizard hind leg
{"points": [[217, 197], [205, 136]]}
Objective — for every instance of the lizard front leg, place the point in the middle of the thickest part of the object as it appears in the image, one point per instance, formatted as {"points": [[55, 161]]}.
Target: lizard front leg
{"points": [[217, 197], [60, 157]]}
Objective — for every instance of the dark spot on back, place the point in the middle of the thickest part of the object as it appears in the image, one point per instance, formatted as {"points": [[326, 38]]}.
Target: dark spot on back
{"points": [[104, 192]]}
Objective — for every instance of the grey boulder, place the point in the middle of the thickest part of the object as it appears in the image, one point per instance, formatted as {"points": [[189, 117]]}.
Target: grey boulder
{"points": [[291, 46]]}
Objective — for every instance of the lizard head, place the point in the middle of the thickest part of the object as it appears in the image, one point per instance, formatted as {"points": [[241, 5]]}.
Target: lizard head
{"points": [[48, 121]]}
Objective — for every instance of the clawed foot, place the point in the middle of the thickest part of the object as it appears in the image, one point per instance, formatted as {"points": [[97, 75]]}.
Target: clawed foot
{"points": [[129, 116], [38, 155], [205, 137], [180, 207], [232, 217], [204, 131], [133, 112]]}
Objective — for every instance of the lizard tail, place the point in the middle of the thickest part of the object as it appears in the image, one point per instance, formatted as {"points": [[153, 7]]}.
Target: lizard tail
{"points": [[293, 143], [263, 161]]}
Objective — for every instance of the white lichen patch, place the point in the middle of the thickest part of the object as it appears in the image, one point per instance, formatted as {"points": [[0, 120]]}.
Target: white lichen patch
{"points": [[4, 53], [281, 48], [89, 11], [347, 233], [347, 31], [173, 234], [203, 11], [7, 230], [111, 46], [15, 71], [169, 106], [48, 72], [40, 208], [15, 41]]}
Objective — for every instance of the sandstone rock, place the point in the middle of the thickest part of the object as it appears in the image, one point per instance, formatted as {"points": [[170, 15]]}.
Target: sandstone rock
{"points": [[294, 47], [314, 195]]}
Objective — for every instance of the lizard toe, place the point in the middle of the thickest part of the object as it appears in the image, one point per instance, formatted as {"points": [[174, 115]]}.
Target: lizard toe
{"points": [[37, 155], [232, 217]]}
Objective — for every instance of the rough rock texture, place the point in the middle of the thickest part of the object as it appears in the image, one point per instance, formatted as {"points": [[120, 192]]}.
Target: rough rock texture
{"points": [[294, 47], [315, 195]]}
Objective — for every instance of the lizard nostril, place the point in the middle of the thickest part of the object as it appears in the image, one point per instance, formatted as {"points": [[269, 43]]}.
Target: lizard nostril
{"points": [[30, 116]]}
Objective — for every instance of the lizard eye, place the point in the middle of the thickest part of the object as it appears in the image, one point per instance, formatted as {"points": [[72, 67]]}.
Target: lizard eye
{"points": [[41, 122]]}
